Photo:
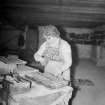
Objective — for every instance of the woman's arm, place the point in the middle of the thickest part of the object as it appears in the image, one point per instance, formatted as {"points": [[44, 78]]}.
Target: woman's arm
{"points": [[38, 55], [66, 56]]}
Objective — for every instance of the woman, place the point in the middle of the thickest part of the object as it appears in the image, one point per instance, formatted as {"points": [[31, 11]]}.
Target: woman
{"points": [[55, 53]]}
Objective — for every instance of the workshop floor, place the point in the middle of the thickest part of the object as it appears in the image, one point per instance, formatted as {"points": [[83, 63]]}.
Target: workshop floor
{"points": [[90, 95]]}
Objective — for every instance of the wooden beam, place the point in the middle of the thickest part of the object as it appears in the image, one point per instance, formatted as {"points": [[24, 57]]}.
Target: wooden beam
{"points": [[56, 1], [31, 15], [64, 12], [58, 8], [42, 21]]}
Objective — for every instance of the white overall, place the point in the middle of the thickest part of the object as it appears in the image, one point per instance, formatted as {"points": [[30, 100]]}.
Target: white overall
{"points": [[55, 61]]}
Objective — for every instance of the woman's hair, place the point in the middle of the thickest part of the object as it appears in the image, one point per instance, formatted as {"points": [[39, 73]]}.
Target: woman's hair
{"points": [[49, 30]]}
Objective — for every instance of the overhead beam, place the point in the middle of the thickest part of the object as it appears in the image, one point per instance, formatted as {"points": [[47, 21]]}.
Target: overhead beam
{"points": [[58, 8], [28, 14], [95, 2], [87, 13], [42, 21]]}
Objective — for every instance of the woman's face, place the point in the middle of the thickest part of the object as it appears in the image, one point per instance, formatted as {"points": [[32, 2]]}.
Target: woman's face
{"points": [[48, 38]]}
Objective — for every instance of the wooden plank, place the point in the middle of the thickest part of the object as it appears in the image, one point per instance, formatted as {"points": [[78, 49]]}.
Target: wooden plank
{"points": [[30, 15], [59, 9], [19, 22], [56, 22], [33, 22], [85, 1], [63, 12], [57, 1], [32, 1], [41, 17]]}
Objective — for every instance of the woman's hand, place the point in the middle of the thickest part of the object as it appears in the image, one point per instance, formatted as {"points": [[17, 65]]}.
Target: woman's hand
{"points": [[44, 61]]}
